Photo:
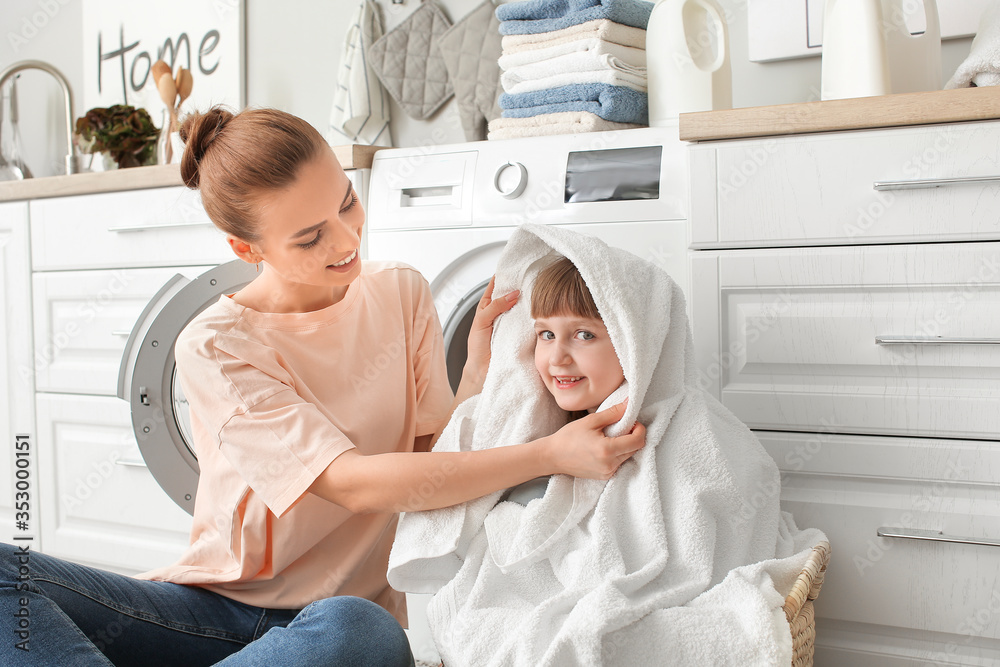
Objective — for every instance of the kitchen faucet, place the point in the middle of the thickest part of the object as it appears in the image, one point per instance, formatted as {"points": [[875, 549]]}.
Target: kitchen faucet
{"points": [[67, 95]]}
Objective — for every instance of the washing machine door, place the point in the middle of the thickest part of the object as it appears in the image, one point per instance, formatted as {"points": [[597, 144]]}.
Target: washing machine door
{"points": [[457, 291], [147, 378]]}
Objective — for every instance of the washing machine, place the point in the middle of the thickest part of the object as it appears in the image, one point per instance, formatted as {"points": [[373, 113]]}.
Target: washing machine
{"points": [[147, 377], [449, 210]]}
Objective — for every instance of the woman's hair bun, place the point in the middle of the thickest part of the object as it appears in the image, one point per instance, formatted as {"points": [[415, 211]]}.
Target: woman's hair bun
{"points": [[198, 131]]}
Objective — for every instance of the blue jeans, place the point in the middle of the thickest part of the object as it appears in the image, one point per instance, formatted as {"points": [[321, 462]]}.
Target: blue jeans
{"points": [[69, 614]]}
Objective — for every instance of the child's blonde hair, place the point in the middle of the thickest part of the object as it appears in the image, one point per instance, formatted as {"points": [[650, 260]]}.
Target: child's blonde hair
{"points": [[559, 289]]}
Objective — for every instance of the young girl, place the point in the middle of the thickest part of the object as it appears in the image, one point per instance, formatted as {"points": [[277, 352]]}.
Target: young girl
{"points": [[574, 356], [589, 572], [306, 454]]}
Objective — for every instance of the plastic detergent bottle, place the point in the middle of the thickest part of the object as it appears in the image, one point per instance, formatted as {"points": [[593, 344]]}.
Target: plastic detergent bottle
{"points": [[914, 59], [855, 62], [687, 59]]}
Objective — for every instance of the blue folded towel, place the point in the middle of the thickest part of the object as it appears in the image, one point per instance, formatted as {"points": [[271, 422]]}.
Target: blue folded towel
{"points": [[538, 16], [619, 104]]}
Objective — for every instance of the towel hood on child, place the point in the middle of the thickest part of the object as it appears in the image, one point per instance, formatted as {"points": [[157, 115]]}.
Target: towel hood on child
{"points": [[682, 557]]}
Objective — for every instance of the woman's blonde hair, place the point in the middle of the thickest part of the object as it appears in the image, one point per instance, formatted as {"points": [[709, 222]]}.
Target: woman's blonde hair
{"points": [[235, 159], [559, 289]]}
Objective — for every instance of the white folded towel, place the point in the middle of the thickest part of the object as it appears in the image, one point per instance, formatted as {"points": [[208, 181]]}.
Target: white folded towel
{"points": [[593, 47], [563, 122], [360, 111], [982, 66], [609, 31], [683, 553], [577, 67]]}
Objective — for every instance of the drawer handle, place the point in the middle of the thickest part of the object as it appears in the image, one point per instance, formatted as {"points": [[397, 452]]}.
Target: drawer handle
{"points": [[147, 228], [131, 463], [933, 536], [932, 182], [934, 340]]}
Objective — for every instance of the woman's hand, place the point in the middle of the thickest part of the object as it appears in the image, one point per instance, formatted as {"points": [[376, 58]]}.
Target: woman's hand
{"points": [[478, 360], [581, 449]]}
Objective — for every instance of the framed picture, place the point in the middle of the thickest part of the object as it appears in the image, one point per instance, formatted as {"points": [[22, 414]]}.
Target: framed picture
{"points": [[783, 29], [123, 38]]}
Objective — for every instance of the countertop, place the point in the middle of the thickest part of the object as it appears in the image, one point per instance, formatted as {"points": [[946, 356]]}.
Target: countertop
{"points": [[137, 178], [938, 106]]}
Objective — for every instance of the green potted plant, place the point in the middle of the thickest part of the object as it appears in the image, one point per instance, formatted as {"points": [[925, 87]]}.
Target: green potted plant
{"points": [[125, 133]]}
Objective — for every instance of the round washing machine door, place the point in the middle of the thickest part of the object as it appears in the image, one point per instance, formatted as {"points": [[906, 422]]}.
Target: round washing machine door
{"points": [[457, 291], [147, 378]]}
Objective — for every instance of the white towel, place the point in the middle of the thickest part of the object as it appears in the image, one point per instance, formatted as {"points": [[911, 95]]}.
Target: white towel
{"points": [[683, 553], [579, 67], [591, 46], [563, 122], [609, 31], [982, 66], [360, 111]]}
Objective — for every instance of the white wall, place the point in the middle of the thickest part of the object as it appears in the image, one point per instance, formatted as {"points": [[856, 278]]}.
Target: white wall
{"points": [[293, 49]]}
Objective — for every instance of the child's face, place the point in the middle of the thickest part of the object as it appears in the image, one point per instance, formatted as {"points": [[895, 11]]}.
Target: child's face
{"points": [[576, 361]]}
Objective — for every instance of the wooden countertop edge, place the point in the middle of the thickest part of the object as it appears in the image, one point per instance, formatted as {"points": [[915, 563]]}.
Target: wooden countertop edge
{"points": [[138, 178], [938, 106]]}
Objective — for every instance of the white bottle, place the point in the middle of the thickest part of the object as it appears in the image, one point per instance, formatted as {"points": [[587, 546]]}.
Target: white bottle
{"points": [[687, 60], [855, 61], [914, 60]]}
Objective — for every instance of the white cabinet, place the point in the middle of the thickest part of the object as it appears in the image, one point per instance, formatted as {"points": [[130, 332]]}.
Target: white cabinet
{"points": [[18, 386], [857, 331], [83, 319], [97, 260], [102, 506], [933, 183], [865, 339]]}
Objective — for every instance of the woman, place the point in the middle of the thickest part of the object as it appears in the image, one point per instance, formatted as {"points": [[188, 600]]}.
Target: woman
{"points": [[315, 393]]}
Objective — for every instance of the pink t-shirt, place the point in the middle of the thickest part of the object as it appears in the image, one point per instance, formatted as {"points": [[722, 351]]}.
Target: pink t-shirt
{"points": [[274, 399]]}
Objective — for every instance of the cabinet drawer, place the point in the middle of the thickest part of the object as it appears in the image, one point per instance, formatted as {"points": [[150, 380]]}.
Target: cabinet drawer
{"points": [[820, 189], [850, 486], [83, 320], [101, 505], [158, 227], [790, 339]]}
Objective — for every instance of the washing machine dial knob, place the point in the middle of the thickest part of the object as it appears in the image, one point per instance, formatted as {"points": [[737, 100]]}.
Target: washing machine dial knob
{"points": [[511, 179]]}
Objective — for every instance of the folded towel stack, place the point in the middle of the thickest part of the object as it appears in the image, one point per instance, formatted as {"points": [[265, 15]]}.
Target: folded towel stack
{"points": [[572, 66]]}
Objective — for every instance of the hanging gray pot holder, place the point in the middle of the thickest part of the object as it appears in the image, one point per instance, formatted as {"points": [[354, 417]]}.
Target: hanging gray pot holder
{"points": [[409, 63], [471, 49]]}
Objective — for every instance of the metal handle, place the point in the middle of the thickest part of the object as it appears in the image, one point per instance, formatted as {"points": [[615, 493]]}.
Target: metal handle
{"points": [[933, 536], [124, 333], [146, 228], [931, 182], [131, 463], [934, 340]]}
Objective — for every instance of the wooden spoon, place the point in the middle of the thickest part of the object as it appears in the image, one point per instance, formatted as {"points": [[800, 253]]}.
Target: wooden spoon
{"points": [[168, 91], [158, 69], [184, 83]]}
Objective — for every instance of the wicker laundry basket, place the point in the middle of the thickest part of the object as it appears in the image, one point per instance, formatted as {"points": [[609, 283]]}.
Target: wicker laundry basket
{"points": [[799, 605]]}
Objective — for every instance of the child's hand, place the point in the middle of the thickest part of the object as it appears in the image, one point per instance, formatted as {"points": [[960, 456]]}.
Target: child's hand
{"points": [[478, 360], [581, 449]]}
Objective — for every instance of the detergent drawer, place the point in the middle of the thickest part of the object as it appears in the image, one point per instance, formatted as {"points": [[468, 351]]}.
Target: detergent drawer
{"points": [[940, 599], [936, 182], [103, 506], [892, 340], [157, 227], [83, 320]]}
